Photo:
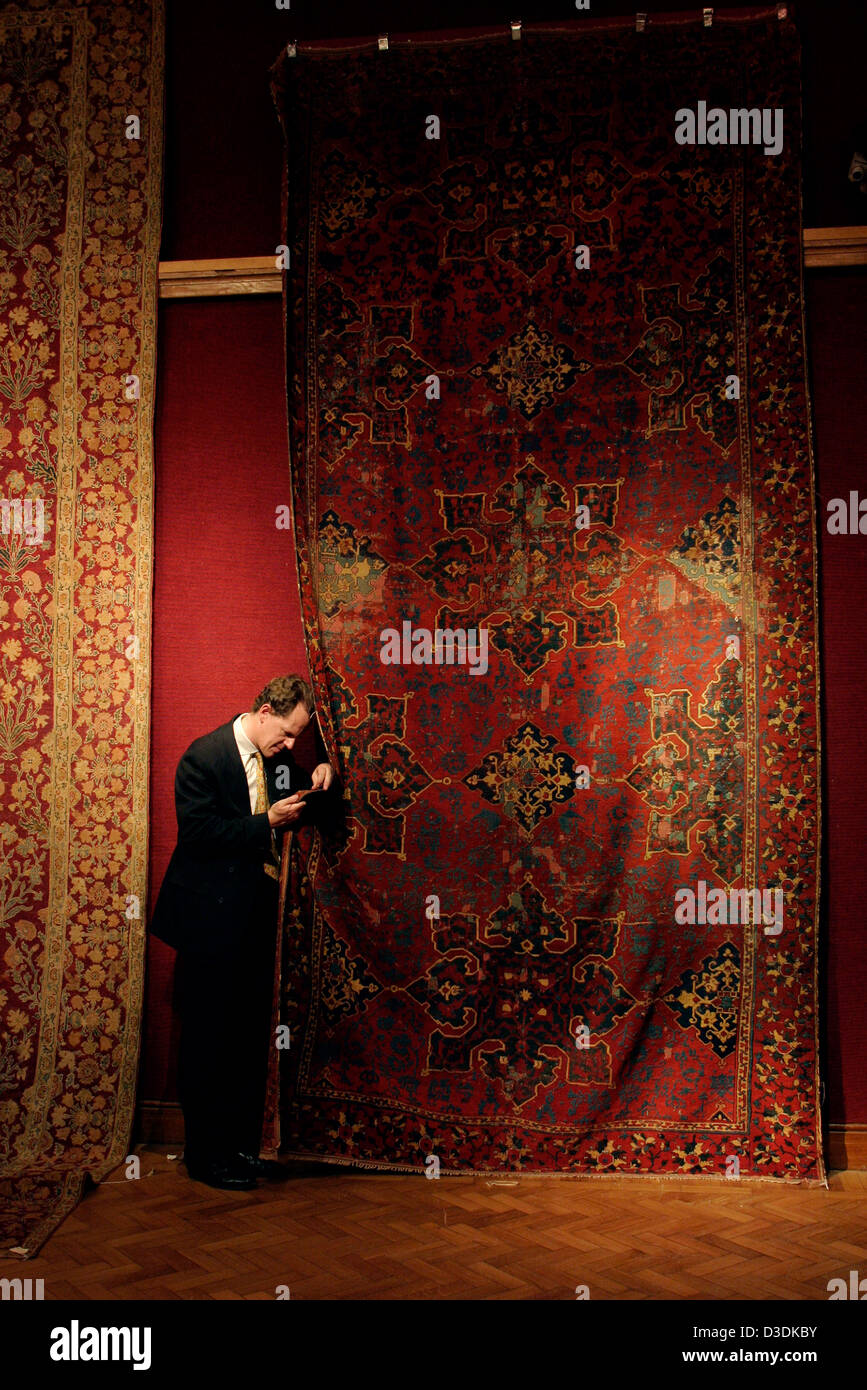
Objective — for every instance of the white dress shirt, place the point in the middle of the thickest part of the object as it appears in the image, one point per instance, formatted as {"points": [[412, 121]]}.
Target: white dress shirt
{"points": [[248, 751]]}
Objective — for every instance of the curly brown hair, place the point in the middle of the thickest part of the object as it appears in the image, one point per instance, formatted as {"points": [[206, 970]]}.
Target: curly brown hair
{"points": [[283, 693]]}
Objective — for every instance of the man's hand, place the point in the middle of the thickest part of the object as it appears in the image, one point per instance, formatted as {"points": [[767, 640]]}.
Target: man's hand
{"points": [[322, 776], [285, 812]]}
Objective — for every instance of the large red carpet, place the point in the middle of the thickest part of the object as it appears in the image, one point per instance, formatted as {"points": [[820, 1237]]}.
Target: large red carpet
{"points": [[527, 950], [80, 194]]}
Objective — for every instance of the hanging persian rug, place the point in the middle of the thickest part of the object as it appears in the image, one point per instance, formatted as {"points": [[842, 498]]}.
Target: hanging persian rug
{"points": [[553, 499], [80, 188]]}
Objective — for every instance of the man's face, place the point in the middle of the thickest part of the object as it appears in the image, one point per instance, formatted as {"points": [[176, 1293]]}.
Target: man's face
{"points": [[276, 731]]}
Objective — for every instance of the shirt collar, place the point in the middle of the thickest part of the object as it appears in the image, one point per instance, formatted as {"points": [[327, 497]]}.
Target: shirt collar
{"points": [[245, 743]]}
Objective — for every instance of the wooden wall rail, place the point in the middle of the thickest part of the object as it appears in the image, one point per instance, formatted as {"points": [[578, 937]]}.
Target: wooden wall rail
{"points": [[831, 246], [823, 246], [199, 279]]}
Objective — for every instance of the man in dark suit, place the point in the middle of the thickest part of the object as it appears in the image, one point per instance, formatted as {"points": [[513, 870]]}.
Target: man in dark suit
{"points": [[218, 908]]}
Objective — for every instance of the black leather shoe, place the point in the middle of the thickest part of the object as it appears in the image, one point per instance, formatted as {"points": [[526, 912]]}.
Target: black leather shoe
{"points": [[260, 1167], [231, 1176]]}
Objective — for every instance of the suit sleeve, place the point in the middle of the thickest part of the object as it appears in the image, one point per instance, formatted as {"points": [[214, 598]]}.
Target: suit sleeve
{"points": [[202, 827]]}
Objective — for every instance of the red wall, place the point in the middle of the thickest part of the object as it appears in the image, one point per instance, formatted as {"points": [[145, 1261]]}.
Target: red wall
{"points": [[837, 329], [226, 612]]}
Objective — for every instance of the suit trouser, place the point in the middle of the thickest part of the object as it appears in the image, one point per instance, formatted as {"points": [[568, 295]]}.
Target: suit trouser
{"points": [[225, 996]]}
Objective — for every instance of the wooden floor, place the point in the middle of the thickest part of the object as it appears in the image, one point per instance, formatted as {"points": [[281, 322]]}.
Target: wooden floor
{"points": [[333, 1233]]}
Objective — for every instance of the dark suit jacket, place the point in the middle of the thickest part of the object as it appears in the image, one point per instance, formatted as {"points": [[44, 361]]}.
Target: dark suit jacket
{"points": [[217, 863]]}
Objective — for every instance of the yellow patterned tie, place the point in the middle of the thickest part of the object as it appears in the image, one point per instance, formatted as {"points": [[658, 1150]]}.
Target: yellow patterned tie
{"points": [[262, 805]]}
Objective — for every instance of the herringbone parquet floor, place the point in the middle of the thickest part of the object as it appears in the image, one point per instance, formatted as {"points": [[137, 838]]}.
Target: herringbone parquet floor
{"points": [[333, 1233]]}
